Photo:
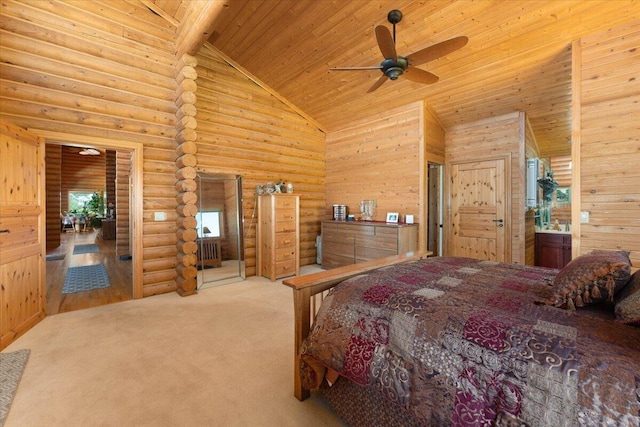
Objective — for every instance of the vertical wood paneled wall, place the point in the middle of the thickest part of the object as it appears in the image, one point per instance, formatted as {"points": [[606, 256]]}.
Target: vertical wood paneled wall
{"points": [[101, 71], [244, 130], [487, 139], [606, 146], [378, 159]]}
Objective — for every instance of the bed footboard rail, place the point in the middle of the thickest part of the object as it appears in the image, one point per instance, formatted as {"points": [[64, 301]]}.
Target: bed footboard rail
{"points": [[306, 289]]}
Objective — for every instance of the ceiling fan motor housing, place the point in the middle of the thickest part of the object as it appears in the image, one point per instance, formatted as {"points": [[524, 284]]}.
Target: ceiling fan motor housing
{"points": [[394, 69], [394, 16]]}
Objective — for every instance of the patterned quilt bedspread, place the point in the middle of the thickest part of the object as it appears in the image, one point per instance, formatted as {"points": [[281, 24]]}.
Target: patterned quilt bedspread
{"points": [[461, 342]]}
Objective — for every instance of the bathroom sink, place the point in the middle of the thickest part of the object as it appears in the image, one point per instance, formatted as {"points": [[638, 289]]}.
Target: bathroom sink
{"points": [[553, 231]]}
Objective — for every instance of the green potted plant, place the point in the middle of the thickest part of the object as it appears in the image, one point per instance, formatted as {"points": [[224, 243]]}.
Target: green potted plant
{"points": [[95, 209]]}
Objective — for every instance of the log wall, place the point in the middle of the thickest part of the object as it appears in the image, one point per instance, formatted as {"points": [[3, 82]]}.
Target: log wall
{"points": [[123, 214], [69, 70], [244, 130], [110, 179], [606, 141], [186, 162], [53, 164], [80, 173]]}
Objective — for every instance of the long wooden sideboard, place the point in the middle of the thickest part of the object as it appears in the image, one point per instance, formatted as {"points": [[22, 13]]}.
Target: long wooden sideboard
{"points": [[350, 242]]}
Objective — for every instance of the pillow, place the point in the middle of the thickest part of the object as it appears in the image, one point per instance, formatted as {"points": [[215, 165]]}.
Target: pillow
{"points": [[628, 301], [623, 254], [591, 278]]}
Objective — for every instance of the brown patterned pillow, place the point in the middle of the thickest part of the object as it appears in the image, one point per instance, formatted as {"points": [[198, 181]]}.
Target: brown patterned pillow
{"points": [[628, 301], [591, 278]]}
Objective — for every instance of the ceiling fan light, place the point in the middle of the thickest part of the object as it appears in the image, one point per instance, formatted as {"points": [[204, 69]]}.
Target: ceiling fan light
{"points": [[89, 152], [394, 72]]}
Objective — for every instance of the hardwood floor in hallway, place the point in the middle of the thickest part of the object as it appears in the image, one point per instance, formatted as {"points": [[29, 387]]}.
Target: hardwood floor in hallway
{"points": [[119, 272]]}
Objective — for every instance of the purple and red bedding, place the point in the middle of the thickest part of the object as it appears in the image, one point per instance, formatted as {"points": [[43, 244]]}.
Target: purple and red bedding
{"points": [[464, 342]]}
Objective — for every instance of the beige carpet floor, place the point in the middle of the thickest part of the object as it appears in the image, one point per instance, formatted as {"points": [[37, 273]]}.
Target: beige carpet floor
{"points": [[223, 357]]}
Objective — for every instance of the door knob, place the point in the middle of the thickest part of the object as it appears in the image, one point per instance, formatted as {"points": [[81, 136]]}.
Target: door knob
{"points": [[500, 222], [6, 230]]}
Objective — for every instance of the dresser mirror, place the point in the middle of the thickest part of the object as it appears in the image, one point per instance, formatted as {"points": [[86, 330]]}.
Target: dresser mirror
{"points": [[220, 254]]}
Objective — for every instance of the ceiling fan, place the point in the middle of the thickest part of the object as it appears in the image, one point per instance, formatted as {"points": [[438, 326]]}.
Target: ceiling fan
{"points": [[394, 65]]}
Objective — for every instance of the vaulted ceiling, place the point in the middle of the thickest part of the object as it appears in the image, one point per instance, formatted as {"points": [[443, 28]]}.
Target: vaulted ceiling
{"points": [[518, 57]]}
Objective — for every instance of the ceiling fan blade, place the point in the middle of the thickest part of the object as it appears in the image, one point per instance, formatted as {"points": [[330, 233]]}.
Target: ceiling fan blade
{"points": [[373, 67], [437, 50], [378, 83], [420, 76], [385, 43]]}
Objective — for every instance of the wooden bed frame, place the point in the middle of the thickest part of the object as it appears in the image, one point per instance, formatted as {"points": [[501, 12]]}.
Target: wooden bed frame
{"points": [[308, 292]]}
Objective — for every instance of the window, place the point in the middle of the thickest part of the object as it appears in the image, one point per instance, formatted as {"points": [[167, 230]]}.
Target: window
{"points": [[78, 200], [91, 203], [211, 222]]}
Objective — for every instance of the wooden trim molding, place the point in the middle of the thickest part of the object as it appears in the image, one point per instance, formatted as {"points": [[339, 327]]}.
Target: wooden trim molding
{"points": [[576, 114]]}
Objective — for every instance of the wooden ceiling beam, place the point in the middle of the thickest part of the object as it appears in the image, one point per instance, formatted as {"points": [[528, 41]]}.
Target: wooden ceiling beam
{"points": [[198, 25]]}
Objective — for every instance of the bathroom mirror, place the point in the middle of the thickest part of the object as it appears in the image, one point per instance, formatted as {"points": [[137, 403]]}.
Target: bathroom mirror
{"points": [[219, 226]]}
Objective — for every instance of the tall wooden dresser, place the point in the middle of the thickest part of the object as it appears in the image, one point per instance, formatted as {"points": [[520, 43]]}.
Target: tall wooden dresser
{"points": [[278, 235]]}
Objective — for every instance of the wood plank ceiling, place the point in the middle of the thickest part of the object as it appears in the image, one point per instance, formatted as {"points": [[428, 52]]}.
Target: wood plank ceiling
{"points": [[518, 56]]}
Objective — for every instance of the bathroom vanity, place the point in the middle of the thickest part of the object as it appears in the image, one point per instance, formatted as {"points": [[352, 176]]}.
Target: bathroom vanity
{"points": [[552, 248]]}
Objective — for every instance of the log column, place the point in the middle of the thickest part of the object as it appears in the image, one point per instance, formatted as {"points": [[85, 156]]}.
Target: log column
{"points": [[186, 185]]}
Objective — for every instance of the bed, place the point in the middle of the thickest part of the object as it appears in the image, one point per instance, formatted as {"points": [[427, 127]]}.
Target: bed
{"points": [[440, 341]]}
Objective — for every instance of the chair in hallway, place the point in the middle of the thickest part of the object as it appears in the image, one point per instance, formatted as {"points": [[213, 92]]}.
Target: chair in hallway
{"points": [[67, 223]]}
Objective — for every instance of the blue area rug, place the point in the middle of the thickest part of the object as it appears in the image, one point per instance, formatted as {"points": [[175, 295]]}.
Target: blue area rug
{"points": [[85, 278], [86, 249]]}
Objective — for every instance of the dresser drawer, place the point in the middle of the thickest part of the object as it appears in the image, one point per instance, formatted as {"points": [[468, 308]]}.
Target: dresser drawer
{"points": [[286, 254], [382, 242], [285, 268], [285, 227], [285, 203], [364, 253], [285, 215], [360, 230], [285, 240], [345, 249], [329, 237], [333, 260]]}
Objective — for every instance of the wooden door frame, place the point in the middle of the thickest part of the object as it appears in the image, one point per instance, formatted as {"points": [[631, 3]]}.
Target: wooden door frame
{"points": [[136, 209], [506, 157]]}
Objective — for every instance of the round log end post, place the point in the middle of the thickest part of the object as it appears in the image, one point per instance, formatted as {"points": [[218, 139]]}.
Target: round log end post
{"points": [[186, 186]]}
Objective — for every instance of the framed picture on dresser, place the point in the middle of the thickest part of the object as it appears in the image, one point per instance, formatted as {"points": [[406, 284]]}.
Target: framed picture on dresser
{"points": [[392, 217]]}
